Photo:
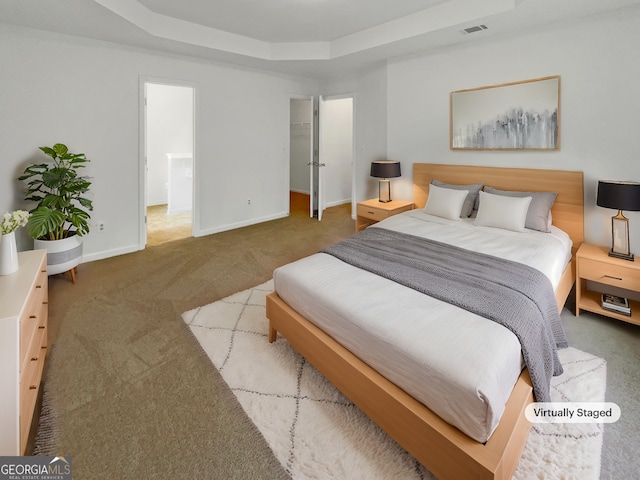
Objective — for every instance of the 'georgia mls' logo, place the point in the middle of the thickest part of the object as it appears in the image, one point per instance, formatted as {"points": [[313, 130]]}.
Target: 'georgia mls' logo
{"points": [[35, 468]]}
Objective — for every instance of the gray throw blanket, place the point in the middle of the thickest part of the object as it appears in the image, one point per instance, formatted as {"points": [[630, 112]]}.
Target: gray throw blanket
{"points": [[514, 295]]}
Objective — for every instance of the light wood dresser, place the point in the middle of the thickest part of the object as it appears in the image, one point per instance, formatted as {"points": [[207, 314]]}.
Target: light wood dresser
{"points": [[23, 347]]}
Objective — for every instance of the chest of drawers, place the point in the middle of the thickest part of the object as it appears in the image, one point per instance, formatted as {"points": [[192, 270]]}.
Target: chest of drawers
{"points": [[23, 347]]}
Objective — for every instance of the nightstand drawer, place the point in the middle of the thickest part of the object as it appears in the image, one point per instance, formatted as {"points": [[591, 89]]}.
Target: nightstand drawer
{"points": [[609, 274], [371, 212]]}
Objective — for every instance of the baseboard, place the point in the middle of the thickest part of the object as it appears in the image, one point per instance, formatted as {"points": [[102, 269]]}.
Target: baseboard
{"points": [[233, 226], [337, 202], [109, 253], [302, 192]]}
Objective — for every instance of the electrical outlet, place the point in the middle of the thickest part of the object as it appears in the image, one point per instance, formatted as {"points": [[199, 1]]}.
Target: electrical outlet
{"points": [[100, 226], [248, 201]]}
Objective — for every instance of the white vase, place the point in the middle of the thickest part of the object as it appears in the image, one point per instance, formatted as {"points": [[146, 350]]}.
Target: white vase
{"points": [[8, 254], [62, 255]]}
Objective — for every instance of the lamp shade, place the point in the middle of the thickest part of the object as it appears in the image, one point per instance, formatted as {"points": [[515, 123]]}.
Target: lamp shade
{"points": [[385, 169], [619, 195]]}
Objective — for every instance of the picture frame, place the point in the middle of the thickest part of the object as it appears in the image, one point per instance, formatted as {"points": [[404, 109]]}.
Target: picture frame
{"points": [[523, 115]]}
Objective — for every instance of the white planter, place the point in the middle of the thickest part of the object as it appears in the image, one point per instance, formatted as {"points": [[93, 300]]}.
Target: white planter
{"points": [[8, 254], [62, 255]]}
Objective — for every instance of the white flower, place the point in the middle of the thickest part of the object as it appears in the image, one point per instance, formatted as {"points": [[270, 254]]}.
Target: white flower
{"points": [[11, 221]]}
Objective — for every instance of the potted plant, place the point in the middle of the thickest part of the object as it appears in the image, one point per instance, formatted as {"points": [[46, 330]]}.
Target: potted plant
{"points": [[61, 216]]}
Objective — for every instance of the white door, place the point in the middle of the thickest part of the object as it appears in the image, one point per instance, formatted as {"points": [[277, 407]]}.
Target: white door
{"points": [[318, 166], [335, 159]]}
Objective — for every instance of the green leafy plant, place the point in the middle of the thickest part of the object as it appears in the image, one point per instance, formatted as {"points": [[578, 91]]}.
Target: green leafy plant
{"points": [[62, 208]]}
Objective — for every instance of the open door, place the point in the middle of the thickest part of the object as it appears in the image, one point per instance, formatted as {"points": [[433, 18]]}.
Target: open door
{"points": [[331, 164], [317, 166], [335, 152]]}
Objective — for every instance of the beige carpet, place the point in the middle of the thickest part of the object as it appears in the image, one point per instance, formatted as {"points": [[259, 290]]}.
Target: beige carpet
{"points": [[317, 433], [131, 396]]}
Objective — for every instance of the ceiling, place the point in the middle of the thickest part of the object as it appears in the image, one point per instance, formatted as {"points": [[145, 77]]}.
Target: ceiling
{"points": [[315, 38]]}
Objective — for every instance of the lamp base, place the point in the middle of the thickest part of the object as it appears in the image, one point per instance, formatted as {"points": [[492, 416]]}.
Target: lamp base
{"points": [[623, 256], [620, 237], [384, 191]]}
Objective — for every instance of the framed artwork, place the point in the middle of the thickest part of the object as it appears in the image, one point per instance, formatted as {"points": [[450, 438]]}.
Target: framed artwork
{"points": [[513, 116]]}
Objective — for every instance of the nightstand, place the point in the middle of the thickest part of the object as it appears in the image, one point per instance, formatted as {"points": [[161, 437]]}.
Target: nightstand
{"points": [[372, 211], [593, 263]]}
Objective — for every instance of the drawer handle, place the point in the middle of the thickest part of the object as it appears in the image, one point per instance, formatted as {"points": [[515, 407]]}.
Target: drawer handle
{"points": [[614, 278], [38, 286], [34, 359], [43, 346], [41, 327], [33, 387], [33, 316], [372, 213]]}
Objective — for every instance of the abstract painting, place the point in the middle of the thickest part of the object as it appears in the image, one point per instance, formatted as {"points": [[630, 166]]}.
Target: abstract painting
{"points": [[513, 116]]}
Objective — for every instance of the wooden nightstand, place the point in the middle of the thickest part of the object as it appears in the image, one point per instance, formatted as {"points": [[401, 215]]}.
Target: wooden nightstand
{"points": [[593, 263], [372, 211]]}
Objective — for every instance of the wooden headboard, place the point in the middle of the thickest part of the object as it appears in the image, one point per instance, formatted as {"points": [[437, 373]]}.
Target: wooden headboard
{"points": [[567, 211]]}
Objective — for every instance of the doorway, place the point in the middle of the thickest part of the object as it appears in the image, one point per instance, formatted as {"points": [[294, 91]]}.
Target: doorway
{"points": [[321, 149], [168, 139], [301, 138]]}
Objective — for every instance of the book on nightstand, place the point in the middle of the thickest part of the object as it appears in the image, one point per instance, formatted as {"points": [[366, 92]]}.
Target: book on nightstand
{"points": [[616, 304]]}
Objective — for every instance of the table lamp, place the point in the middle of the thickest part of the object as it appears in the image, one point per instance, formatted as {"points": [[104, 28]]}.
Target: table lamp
{"points": [[385, 169], [620, 196]]}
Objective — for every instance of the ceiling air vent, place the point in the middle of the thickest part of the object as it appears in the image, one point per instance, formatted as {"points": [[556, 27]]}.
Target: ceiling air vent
{"points": [[474, 29]]}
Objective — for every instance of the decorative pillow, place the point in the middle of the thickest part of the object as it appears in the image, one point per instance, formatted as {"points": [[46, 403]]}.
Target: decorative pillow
{"points": [[539, 214], [509, 213], [445, 202], [471, 202]]}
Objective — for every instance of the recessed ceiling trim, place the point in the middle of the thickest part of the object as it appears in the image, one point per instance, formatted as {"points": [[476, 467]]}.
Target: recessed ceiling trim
{"points": [[441, 16], [438, 17], [187, 32], [301, 51]]}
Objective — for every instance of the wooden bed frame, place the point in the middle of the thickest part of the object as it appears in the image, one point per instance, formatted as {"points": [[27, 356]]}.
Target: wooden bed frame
{"points": [[442, 448]]}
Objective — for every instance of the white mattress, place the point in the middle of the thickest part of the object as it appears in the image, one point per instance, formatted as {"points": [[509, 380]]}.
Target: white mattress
{"points": [[462, 366]]}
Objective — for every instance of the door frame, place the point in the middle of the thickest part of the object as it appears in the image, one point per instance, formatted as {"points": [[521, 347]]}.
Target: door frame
{"points": [[142, 155]]}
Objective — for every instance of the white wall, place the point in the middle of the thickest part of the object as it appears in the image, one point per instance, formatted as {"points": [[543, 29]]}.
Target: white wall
{"points": [[599, 105], [86, 94], [169, 130]]}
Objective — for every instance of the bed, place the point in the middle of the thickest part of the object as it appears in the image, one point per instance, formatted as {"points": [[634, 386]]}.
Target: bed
{"points": [[440, 446]]}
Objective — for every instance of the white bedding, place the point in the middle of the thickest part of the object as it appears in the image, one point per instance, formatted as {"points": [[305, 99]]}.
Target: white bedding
{"points": [[462, 366]]}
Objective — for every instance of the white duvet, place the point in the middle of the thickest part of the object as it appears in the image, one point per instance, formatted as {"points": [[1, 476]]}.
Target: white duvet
{"points": [[462, 366]]}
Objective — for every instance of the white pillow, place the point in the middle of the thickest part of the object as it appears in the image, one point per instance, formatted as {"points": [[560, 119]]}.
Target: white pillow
{"points": [[445, 202], [509, 213]]}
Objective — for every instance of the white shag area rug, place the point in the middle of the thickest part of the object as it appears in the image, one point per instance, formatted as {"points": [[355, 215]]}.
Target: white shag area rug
{"points": [[317, 433]]}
